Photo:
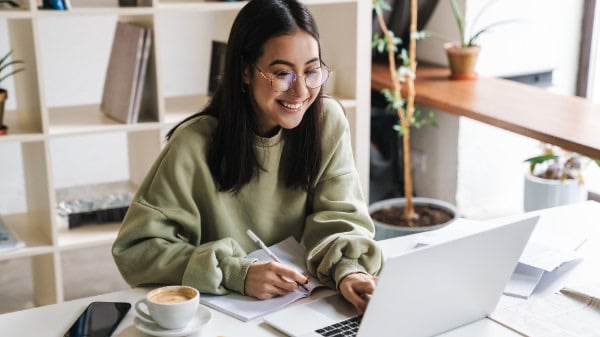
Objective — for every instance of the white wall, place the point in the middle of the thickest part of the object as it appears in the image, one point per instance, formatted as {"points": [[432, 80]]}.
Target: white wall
{"points": [[489, 170]]}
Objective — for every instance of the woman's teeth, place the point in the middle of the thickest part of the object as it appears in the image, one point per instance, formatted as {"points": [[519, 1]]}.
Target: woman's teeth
{"points": [[291, 106]]}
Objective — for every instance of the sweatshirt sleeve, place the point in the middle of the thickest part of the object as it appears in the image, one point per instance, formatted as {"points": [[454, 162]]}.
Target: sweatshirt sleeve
{"points": [[153, 249], [339, 231], [160, 241]]}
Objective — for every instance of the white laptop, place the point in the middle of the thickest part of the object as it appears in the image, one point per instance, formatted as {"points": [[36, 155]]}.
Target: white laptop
{"points": [[425, 291]]}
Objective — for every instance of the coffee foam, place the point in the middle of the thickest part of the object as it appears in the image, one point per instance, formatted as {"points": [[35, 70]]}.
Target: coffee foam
{"points": [[172, 296]]}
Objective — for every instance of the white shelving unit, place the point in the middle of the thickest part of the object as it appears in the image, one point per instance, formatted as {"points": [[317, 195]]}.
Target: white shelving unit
{"points": [[44, 120]]}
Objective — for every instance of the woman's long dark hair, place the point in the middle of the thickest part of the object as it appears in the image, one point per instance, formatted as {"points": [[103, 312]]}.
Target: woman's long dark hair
{"points": [[231, 157]]}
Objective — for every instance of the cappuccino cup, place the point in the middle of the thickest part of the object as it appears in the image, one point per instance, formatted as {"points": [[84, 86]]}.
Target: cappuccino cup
{"points": [[171, 307]]}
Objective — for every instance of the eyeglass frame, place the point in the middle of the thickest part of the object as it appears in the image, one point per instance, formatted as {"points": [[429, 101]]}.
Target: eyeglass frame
{"points": [[296, 76]]}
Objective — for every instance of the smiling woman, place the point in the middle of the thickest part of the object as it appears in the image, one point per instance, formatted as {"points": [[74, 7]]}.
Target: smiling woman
{"points": [[282, 100], [270, 153]]}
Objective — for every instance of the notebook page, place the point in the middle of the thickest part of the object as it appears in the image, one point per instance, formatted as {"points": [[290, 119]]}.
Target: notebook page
{"points": [[246, 308]]}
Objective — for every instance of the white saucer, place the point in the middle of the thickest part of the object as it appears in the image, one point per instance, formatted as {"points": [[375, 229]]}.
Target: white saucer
{"points": [[202, 317]]}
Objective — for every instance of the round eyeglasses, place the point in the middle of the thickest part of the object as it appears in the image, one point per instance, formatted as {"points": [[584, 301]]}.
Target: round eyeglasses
{"points": [[283, 80]]}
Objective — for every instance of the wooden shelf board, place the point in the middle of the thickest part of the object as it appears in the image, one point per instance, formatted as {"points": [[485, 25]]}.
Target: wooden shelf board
{"points": [[566, 121], [192, 5], [88, 119], [87, 236], [95, 11], [180, 107]]}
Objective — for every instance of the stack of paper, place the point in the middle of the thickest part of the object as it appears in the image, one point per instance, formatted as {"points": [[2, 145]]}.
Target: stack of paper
{"points": [[544, 253]]}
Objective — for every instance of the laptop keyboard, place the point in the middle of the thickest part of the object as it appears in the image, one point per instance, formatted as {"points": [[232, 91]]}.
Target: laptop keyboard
{"points": [[345, 328]]}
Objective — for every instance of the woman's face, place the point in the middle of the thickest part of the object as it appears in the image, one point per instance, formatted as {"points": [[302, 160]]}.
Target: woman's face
{"points": [[298, 53]]}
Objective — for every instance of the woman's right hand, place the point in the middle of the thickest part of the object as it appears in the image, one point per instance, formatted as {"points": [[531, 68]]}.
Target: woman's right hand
{"points": [[271, 279]]}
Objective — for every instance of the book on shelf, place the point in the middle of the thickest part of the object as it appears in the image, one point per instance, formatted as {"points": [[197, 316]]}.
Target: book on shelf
{"points": [[126, 71], [8, 238], [217, 65], [135, 3], [246, 308]]}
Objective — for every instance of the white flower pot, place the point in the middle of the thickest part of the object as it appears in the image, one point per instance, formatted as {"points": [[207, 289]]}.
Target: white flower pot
{"points": [[385, 231], [544, 193]]}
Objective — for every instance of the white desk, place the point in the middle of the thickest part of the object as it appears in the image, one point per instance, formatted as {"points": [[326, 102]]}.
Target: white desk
{"points": [[54, 320]]}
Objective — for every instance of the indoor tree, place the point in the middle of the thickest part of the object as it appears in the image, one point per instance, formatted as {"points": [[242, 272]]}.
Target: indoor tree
{"points": [[403, 77]]}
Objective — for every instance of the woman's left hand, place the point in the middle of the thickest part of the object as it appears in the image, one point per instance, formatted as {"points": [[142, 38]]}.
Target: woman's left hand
{"points": [[357, 289]]}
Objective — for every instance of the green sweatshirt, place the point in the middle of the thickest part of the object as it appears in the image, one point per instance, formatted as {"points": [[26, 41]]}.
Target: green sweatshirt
{"points": [[180, 229]]}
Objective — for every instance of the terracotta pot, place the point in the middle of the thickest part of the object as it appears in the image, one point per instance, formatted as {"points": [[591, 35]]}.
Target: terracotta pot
{"points": [[462, 61], [385, 231], [3, 97], [540, 193]]}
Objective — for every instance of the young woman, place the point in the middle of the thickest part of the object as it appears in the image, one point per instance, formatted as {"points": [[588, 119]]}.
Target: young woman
{"points": [[270, 153]]}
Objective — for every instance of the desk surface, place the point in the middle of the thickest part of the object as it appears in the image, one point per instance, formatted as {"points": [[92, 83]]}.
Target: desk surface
{"points": [[54, 320], [566, 121]]}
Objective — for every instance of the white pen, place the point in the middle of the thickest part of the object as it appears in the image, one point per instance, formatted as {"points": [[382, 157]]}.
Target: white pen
{"points": [[266, 249]]}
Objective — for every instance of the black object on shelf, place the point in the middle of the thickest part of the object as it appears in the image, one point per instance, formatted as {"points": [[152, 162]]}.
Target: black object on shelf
{"points": [[94, 204], [100, 216], [217, 65]]}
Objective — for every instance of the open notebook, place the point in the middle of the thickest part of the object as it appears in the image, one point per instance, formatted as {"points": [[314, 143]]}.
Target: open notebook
{"points": [[246, 308]]}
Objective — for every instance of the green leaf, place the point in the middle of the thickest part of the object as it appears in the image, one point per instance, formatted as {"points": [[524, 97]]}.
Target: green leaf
{"points": [[460, 22], [4, 65], [11, 73], [483, 9], [401, 131], [379, 6], [597, 161], [405, 72], [5, 57], [420, 35], [538, 160], [485, 29]]}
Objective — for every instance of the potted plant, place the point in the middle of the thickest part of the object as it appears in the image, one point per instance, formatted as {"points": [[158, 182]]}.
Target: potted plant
{"points": [[555, 178], [400, 216], [6, 72], [462, 55]]}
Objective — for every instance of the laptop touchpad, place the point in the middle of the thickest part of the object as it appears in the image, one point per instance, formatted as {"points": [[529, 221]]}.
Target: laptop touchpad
{"points": [[334, 307]]}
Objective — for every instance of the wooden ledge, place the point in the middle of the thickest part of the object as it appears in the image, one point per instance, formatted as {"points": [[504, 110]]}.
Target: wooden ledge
{"points": [[567, 121]]}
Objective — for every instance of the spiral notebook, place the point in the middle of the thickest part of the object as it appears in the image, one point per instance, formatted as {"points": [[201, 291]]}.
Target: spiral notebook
{"points": [[247, 308]]}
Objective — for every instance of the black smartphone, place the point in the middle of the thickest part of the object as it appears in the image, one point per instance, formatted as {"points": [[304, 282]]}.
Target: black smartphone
{"points": [[100, 319]]}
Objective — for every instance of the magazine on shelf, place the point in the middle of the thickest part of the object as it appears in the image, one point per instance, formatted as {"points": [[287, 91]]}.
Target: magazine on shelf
{"points": [[247, 308], [127, 66]]}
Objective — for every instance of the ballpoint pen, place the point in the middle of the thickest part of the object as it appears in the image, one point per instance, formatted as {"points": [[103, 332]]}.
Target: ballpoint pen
{"points": [[266, 249], [580, 296]]}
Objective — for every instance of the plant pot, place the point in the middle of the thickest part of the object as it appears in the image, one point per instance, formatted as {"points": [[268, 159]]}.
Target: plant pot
{"points": [[3, 97], [462, 61], [385, 231], [540, 193]]}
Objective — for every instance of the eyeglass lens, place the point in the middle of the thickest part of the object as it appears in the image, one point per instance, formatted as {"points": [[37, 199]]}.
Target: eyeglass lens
{"points": [[314, 78]]}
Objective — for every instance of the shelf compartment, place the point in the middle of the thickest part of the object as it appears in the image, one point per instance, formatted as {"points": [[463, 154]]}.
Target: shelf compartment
{"points": [[36, 243], [184, 62], [74, 81], [336, 41], [90, 265], [17, 272], [25, 196], [23, 109]]}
